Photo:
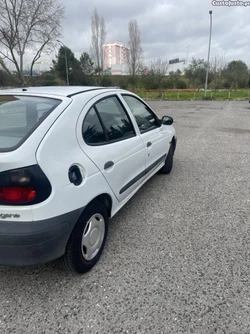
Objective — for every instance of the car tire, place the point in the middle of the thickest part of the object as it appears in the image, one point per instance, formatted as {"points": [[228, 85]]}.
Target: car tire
{"points": [[166, 169], [87, 239]]}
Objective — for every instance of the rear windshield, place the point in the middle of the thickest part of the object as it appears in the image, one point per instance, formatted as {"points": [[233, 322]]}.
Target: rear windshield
{"points": [[20, 116]]}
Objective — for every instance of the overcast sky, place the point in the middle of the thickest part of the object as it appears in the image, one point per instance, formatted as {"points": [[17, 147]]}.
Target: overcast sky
{"points": [[167, 27]]}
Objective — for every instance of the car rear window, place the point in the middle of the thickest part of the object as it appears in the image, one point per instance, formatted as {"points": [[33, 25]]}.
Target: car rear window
{"points": [[20, 116]]}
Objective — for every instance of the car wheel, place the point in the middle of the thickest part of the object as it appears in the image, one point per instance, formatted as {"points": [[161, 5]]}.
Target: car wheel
{"points": [[166, 169], [87, 239]]}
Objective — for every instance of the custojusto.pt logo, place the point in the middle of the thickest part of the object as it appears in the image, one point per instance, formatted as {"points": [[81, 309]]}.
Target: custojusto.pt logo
{"points": [[230, 3]]}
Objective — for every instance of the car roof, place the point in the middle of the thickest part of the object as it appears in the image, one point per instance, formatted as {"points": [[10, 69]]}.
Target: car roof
{"points": [[65, 91]]}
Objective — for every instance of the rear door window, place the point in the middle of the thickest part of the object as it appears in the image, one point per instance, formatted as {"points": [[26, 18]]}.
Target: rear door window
{"points": [[20, 116], [117, 124], [93, 132], [107, 122]]}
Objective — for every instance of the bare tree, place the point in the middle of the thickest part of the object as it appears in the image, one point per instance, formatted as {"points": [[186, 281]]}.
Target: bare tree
{"points": [[27, 25], [159, 69], [135, 49], [98, 39], [196, 72], [159, 66], [217, 67]]}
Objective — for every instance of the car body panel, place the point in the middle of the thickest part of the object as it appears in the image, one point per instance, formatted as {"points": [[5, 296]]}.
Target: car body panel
{"points": [[61, 138], [157, 140], [128, 156]]}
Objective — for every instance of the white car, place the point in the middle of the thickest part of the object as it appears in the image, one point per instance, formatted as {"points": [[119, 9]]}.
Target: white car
{"points": [[70, 158]]}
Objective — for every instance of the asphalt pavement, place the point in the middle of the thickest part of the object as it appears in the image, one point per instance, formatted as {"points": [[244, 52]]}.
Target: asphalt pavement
{"points": [[177, 258]]}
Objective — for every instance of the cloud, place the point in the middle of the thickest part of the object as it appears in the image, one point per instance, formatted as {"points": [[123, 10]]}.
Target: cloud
{"points": [[167, 27]]}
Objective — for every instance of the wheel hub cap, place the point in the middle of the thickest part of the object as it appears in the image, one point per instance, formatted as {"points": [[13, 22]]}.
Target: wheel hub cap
{"points": [[93, 236]]}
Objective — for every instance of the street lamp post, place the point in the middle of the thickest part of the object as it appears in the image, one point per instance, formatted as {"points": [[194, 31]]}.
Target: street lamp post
{"points": [[208, 56], [66, 62]]}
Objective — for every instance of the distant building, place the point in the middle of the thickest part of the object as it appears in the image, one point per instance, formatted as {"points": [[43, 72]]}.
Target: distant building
{"points": [[115, 53]]}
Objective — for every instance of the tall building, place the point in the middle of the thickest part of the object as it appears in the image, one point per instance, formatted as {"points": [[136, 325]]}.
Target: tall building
{"points": [[115, 53]]}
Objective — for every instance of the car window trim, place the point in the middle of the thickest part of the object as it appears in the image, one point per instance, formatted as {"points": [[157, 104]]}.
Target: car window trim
{"points": [[101, 122], [107, 142], [149, 129]]}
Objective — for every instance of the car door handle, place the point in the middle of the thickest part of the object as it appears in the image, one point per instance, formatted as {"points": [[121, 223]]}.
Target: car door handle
{"points": [[108, 164], [149, 144]]}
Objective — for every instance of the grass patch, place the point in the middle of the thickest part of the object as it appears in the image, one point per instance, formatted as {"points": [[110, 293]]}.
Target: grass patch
{"points": [[218, 95]]}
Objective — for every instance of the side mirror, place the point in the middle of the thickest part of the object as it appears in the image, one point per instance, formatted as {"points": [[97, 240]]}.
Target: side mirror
{"points": [[167, 120]]}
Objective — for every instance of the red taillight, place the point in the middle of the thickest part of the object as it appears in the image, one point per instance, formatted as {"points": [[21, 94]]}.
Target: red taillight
{"points": [[17, 194]]}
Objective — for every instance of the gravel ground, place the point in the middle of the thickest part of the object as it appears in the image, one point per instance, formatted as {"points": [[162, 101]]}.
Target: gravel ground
{"points": [[177, 258]]}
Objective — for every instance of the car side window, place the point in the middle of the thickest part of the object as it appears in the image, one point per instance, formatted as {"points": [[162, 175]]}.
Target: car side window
{"points": [[115, 121], [92, 131], [145, 119]]}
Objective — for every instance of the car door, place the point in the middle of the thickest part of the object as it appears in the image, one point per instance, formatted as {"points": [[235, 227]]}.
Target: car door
{"points": [[109, 139], [155, 136]]}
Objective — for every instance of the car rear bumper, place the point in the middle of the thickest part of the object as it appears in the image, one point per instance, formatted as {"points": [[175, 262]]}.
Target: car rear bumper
{"points": [[37, 242]]}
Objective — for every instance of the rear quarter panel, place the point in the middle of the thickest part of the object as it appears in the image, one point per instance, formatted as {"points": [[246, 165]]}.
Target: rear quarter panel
{"points": [[58, 151], [24, 156]]}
